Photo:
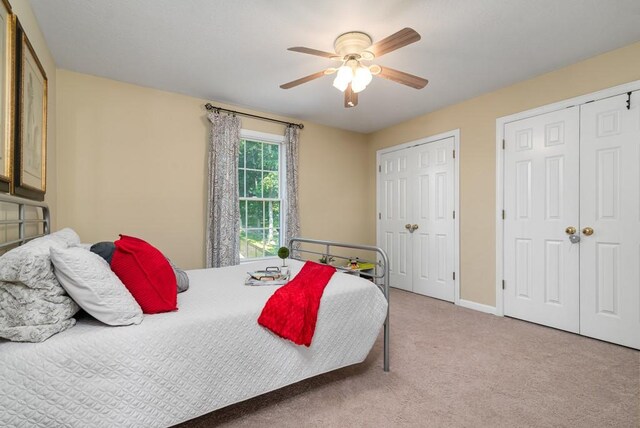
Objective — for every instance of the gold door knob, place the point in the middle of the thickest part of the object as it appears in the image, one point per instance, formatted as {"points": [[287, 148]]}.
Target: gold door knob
{"points": [[414, 227], [587, 231], [407, 226], [570, 230]]}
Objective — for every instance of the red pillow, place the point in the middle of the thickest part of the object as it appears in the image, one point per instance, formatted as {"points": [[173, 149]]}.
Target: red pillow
{"points": [[146, 273]]}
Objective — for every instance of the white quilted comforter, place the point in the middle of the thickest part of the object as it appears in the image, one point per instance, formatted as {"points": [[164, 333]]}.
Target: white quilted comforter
{"points": [[177, 366]]}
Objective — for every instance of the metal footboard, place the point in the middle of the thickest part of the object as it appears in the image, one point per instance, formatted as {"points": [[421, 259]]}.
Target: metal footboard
{"points": [[8, 204], [329, 251]]}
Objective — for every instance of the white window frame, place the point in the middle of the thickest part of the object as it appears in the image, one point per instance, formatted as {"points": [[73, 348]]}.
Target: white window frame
{"points": [[247, 134]]}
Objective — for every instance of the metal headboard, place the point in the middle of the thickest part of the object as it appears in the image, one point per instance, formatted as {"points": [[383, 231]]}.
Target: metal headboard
{"points": [[380, 274], [22, 221]]}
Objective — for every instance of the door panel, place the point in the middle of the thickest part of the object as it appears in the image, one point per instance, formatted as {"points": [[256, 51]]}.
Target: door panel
{"points": [[394, 205], [610, 205], [541, 265], [433, 207]]}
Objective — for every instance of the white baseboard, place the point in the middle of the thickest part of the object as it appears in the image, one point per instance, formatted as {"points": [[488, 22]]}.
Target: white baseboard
{"points": [[477, 306]]}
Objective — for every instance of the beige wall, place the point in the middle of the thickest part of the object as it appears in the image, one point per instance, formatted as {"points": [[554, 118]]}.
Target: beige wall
{"points": [[476, 119], [132, 160], [22, 9]]}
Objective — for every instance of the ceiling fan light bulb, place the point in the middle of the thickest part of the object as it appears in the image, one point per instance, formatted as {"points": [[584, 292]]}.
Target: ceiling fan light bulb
{"points": [[345, 73], [357, 85], [340, 85], [364, 75], [343, 77]]}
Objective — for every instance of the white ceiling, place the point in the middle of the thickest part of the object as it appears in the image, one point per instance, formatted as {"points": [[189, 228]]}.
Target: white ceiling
{"points": [[235, 51]]}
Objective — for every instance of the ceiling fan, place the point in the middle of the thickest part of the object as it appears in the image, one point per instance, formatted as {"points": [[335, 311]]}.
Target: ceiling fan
{"points": [[353, 76]]}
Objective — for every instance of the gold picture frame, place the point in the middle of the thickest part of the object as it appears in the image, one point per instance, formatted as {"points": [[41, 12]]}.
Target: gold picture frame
{"points": [[7, 100], [30, 149]]}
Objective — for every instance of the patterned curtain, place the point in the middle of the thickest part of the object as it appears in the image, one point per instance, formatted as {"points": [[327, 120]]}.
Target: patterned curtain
{"points": [[223, 208], [292, 215]]}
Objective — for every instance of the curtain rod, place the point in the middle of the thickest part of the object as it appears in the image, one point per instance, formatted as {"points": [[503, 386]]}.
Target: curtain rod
{"points": [[210, 107]]}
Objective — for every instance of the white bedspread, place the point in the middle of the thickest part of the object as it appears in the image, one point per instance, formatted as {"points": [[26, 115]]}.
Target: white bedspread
{"points": [[177, 366]]}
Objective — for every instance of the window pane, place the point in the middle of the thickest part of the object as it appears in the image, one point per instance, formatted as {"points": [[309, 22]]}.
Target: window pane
{"points": [[243, 214], [271, 214], [271, 157], [244, 244], [254, 155], [256, 243], [270, 184], [254, 184], [275, 208], [241, 183], [241, 154], [255, 216], [272, 242]]}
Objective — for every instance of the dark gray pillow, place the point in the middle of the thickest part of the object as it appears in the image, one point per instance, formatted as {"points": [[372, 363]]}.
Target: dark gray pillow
{"points": [[104, 250]]}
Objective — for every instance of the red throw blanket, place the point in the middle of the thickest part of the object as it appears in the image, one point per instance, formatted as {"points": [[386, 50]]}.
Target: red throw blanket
{"points": [[292, 311]]}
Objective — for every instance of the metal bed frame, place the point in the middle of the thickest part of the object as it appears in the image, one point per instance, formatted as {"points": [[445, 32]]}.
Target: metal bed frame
{"points": [[380, 275], [22, 221]]}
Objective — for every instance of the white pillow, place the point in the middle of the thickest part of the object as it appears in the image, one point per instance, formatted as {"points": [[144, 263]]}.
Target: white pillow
{"points": [[90, 281]]}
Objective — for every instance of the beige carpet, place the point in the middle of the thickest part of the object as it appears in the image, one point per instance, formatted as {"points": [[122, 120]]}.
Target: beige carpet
{"points": [[455, 367]]}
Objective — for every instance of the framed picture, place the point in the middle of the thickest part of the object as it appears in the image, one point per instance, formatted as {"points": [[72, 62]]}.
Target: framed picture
{"points": [[7, 74], [30, 149]]}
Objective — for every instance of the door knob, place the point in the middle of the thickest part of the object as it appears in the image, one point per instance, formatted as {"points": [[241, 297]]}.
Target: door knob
{"points": [[407, 226], [587, 231], [414, 227], [570, 230]]}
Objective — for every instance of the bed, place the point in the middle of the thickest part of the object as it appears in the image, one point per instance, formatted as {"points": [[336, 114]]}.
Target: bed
{"points": [[176, 366]]}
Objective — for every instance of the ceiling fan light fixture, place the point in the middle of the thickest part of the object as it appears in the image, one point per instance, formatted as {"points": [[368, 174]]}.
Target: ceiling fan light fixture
{"points": [[361, 79], [343, 78]]}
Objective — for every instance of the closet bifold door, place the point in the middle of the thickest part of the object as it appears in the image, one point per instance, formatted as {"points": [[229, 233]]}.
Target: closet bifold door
{"points": [[416, 225], [541, 191], [394, 216], [610, 220], [433, 223]]}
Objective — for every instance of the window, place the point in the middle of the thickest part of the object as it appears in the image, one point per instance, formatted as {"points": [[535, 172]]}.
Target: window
{"points": [[261, 188]]}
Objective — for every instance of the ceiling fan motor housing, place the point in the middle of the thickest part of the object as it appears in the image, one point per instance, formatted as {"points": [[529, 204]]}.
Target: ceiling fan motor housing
{"points": [[352, 43]]}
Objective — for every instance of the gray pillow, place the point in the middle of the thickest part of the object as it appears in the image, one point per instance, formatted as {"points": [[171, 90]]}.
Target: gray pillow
{"points": [[181, 277], [33, 304]]}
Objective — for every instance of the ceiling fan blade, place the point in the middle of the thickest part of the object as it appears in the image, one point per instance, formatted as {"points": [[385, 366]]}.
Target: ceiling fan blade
{"points": [[302, 80], [403, 78], [315, 52], [350, 97], [402, 38]]}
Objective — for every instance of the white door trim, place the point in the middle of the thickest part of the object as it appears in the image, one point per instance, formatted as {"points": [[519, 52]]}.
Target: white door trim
{"points": [[456, 198], [500, 123]]}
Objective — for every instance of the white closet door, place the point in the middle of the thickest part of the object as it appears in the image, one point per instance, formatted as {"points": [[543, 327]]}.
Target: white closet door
{"points": [[395, 212], [541, 265], [433, 240], [610, 205]]}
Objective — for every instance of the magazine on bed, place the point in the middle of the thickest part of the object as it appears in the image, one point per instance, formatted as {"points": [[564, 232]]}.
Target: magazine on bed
{"points": [[272, 275]]}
